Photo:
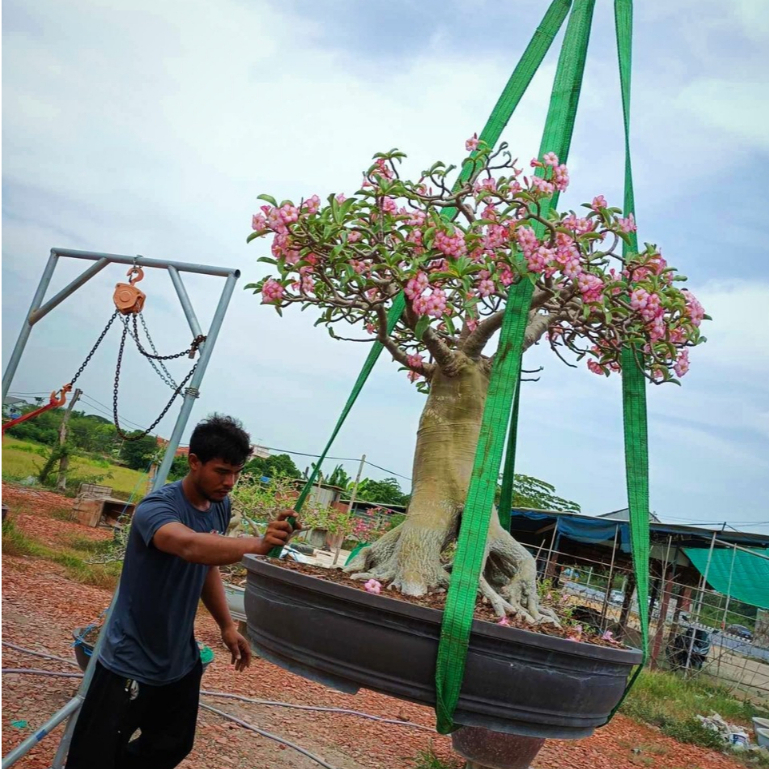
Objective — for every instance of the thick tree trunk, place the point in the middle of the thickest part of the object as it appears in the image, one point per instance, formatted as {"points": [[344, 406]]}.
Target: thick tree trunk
{"points": [[409, 556], [443, 462]]}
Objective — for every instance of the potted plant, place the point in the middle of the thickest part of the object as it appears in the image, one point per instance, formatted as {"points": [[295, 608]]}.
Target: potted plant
{"points": [[349, 258]]}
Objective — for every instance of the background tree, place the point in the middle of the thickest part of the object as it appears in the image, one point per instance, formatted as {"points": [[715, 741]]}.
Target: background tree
{"points": [[274, 466], [539, 495], [386, 492], [137, 454], [352, 257], [339, 477]]}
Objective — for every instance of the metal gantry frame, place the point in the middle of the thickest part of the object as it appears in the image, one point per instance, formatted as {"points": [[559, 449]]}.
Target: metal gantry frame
{"points": [[37, 312]]}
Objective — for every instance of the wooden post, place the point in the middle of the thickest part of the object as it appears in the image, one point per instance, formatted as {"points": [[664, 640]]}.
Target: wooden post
{"points": [[61, 483], [627, 602], [352, 502], [667, 589]]}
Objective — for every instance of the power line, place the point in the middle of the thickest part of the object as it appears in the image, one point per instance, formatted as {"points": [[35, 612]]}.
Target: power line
{"points": [[336, 459], [106, 410]]}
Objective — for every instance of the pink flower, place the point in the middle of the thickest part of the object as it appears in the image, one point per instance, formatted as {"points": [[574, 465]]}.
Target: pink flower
{"points": [[353, 236], [272, 291], [382, 170], [527, 240], [550, 159], [486, 185], [417, 285], [389, 206], [416, 218], [370, 328], [486, 287], [472, 323], [538, 260], [682, 364], [504, 622], [288, 213], [539, 184], [639, 299], [472, 143], [415, 360], [594, 366], [590, 286], [373, 586], [627, 224], [451, 244], [561, 178], [599, 202], [695, 310], [312, 205], [341, 197], [434, 304], [258, 222], [414, 376]]}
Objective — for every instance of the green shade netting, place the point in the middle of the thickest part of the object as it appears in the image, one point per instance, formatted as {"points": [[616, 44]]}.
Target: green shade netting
{"points": [[742, 574]]}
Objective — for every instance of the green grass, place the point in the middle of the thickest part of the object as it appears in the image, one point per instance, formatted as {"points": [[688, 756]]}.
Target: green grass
{"points": [[73, 558], [426, 759], [22, 459], [672, 703]]}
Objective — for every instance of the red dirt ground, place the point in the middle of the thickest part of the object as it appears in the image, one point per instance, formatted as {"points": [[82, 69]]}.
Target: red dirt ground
{"points": [[41, 607]]}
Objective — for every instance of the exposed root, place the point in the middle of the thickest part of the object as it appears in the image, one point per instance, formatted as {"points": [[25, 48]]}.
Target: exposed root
{"points": [[408, 558]]}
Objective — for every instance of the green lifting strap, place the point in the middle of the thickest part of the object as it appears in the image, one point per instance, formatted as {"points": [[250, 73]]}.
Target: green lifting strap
{"points": [[503, 384], [633, 379], [511, 95]]}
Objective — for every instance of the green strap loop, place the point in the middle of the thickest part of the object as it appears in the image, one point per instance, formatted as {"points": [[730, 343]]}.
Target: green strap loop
{"points": [[633, 379], [500, 116], [505, 377], [508, 478]]}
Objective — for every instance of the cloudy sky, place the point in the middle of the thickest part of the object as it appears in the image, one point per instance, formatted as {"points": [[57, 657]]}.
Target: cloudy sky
{"points": [[150, 128]]}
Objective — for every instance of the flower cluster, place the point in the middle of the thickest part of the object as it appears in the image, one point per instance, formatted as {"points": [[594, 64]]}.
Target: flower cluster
{"points": [[352, 255]]}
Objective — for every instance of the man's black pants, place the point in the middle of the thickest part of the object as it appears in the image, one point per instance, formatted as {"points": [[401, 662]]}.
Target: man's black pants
{"points": [[166, 715]]}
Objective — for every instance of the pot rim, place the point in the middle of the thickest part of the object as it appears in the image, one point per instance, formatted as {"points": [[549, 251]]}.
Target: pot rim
{"points": [[264, 566]]}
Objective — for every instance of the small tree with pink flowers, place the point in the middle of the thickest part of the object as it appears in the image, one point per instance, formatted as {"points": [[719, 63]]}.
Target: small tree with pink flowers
{"points": [[353, 255]]}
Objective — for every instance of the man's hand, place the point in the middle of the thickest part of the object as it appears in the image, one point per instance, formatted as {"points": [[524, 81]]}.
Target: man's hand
{"points": [[238, 646], [279, 531]]}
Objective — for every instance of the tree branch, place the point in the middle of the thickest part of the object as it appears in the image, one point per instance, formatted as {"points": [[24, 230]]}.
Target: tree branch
{"points": [[399, 355]]}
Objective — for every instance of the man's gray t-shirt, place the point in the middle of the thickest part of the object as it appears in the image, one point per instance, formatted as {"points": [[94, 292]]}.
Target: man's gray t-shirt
{"points": [[150, 636]]}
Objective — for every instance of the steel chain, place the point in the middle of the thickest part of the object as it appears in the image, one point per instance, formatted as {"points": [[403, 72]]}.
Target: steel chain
{"points": [[94, 348], [193, 348], [176, 393], [159, 368]]}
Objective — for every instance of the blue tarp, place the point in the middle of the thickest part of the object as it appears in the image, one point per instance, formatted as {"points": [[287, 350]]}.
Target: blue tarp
{"points": [[583, 529]]}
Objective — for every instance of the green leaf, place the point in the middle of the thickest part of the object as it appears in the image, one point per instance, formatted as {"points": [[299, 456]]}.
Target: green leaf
{"points": [[254, 235], [267, 260], [421, 326], [271, 200]]}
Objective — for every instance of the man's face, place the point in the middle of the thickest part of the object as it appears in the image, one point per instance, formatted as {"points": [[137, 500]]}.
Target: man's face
{"points": [[214, 479]]}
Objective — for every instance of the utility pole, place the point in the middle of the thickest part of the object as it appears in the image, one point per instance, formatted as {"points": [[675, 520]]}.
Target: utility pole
{"points": [[352, 501], [61, 483]]}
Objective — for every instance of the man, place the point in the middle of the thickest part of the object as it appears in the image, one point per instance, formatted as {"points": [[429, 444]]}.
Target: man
{"points": [[148, 673]]}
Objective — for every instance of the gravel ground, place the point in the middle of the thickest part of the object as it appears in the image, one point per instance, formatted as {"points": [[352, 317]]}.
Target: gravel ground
{"points": [[41, 607]]}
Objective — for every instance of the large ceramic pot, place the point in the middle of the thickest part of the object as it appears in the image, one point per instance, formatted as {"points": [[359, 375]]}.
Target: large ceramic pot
{"points": [[516, 681]]}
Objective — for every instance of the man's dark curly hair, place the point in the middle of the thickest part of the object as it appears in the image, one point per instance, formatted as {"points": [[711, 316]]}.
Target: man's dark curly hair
{"points": [[220, 437]]}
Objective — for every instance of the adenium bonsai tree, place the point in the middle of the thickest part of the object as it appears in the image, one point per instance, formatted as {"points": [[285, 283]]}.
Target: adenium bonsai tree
{"points": [[351, 256]]}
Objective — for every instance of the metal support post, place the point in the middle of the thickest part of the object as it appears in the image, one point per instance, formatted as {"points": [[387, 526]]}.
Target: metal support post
{"points": [[21, 342], [79, 281], [184, 298], [23, 748], [607, 592], [699, 607], [191, 393]]}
